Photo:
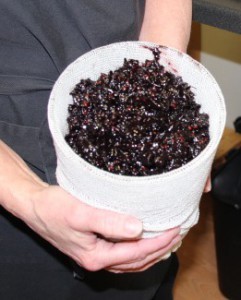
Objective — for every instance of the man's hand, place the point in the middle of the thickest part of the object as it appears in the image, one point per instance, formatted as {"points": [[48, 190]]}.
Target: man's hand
{"points": [[86, 234]]}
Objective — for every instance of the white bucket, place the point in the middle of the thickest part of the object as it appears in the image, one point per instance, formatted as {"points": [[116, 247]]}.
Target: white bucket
{"points": [[160, 201]]}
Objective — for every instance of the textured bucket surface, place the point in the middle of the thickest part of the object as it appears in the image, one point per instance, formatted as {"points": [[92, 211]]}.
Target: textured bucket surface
{"points": [[160, 201]]}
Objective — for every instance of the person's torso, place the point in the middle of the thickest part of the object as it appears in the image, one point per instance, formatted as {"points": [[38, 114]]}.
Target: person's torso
{"points": [[38, 39]]}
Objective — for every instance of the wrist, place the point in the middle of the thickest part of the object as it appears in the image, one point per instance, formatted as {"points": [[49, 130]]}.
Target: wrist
{"points": [[18, 183], [179, 44], [18, 198]]}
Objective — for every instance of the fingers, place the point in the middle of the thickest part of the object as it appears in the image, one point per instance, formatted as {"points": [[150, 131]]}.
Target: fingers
{"points": [[208, 185], [129, 254], [109, 254], [149, 260], [133, 269]]}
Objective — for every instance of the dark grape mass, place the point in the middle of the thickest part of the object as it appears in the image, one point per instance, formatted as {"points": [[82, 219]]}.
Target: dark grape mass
{"points": [[137, 120]]}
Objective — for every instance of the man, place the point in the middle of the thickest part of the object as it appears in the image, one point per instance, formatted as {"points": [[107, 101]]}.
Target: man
{"points": [[38, 39]]}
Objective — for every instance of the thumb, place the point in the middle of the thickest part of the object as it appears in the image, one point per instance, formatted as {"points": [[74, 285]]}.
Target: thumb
{"points": [[115, 225]]}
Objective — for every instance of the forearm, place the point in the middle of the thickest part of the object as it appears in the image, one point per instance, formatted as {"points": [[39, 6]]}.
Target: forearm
{"points": [[67, 223], [17, 183], [167, 22]]}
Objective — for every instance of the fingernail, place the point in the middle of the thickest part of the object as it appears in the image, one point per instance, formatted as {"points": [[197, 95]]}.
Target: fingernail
{"points": [[176, 240], [166, 256], [209, 187], [133, 227]]}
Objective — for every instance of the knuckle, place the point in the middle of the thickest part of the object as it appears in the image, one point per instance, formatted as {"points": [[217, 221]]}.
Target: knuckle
{"points": [[141, 257], [136, 266], [138, 257], [91, 264], [140, 254], [115, 271]]}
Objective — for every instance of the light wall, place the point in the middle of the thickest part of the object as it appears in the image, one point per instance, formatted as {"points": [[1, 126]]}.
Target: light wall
{"points": [[221, 54]]}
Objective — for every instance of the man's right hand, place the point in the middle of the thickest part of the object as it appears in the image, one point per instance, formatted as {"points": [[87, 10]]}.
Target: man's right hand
{"points": [[84, 233]]}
